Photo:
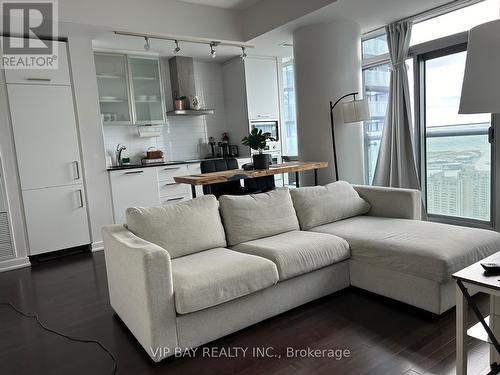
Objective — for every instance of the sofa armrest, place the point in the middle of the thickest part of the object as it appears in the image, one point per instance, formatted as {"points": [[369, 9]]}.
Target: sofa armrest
{"points": [[141, 289], [392, 202]]}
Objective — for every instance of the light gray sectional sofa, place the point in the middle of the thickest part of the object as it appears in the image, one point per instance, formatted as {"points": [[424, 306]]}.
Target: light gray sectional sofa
{"points": [[183, 275]]}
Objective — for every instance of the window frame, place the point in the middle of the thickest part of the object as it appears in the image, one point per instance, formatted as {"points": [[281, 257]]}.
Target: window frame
{"points": [[420, 53], [283, 128]]}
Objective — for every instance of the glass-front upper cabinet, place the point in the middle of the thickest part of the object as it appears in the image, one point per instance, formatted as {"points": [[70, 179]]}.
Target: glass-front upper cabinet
{"points": [[130, 90], [112, 82], [147, 92]]}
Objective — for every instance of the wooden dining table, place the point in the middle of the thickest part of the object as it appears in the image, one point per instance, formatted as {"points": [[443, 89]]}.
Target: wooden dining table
{"points": [[239, 174]]}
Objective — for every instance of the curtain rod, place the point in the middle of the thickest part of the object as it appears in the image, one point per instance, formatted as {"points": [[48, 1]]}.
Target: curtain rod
{"points": [[430, 13]]}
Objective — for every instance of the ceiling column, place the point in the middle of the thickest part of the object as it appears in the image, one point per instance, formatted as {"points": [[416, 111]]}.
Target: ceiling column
{"points": [[327, 58]]}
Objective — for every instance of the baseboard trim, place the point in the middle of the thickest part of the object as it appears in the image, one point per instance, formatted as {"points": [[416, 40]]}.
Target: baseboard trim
{"points": [[12, 264], [97, 246]]}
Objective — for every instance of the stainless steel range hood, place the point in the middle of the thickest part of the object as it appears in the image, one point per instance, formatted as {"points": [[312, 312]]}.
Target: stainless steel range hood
{"points": [[183, 84]]}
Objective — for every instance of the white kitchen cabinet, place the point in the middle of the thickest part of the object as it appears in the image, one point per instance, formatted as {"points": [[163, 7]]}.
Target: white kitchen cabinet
{"points": [[45, 133], [169, 189], [114, 88], [262, 88], [174, 199], [130, 89], [166, 173], [56, 218], [148, 105], [133, 188], [59, 76]]}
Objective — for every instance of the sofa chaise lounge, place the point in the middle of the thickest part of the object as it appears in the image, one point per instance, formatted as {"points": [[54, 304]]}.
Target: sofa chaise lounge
{"points": [[183, 275]]}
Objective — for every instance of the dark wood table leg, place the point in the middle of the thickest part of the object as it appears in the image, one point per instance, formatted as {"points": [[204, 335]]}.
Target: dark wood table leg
{"points": [[315, 177], [297, 184], [193, 191]]}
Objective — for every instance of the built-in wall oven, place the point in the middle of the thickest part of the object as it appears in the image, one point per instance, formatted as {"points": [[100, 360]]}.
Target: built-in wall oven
{"points": [[271, 127], [273, 148]]}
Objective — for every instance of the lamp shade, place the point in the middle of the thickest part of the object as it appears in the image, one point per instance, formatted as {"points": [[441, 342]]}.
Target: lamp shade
{"points": [[481, 85], [355, 111]]}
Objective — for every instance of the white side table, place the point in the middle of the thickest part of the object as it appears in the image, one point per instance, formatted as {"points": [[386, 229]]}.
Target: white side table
{"points": [[471, 280]]}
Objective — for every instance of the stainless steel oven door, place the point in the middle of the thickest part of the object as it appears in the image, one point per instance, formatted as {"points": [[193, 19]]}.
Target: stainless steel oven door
{"points": [[271, 127]]}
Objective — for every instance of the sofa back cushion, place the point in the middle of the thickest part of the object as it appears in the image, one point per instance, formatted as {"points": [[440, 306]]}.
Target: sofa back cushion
{"points": [[318, 205], [250, 217], [181, 229]]}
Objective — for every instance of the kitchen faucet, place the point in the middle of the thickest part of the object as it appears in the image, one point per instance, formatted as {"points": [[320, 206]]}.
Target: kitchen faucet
{"points": [[119, 150]]}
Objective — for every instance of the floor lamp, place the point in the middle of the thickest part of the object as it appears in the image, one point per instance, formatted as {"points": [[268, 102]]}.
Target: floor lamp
{"points": [[352, 111]]}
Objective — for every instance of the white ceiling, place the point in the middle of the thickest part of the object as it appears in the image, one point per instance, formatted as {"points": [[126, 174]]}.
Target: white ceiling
{"points": [[226, 4], [370, 14]]}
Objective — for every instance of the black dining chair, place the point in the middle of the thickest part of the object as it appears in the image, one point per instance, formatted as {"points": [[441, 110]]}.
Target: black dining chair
{"points": [[230, 187], [260, 184]]}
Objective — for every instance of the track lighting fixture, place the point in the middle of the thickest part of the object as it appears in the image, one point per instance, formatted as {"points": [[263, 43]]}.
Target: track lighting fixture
{"points": [[243, 53], [177, 49], [211, 43], [212, 50]]}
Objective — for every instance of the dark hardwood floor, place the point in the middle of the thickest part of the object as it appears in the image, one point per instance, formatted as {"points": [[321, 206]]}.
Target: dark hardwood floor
{"points": [[70, 295]]}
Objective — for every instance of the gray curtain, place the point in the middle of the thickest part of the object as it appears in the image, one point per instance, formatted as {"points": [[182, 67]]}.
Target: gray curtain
{"points": [[396, 161]]}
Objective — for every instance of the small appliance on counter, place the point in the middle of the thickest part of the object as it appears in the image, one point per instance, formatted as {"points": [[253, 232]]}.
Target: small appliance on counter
{"points": [[212, 143], [153, 156]]}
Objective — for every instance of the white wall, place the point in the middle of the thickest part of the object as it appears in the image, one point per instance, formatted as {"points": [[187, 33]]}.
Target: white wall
{"points": [[81, 58], [183, 138], [327, 58]]}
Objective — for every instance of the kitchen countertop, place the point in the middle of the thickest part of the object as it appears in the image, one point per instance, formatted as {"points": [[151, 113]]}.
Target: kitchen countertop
{"points": [[176, 162]]}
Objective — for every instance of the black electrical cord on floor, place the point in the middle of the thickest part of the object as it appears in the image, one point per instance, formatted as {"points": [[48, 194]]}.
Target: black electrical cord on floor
{"points": [[35, 317]]}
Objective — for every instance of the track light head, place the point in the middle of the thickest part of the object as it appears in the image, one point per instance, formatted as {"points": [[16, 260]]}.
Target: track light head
{"points": [[177, 49], [212, 53], [243, 53], [147, 47]]}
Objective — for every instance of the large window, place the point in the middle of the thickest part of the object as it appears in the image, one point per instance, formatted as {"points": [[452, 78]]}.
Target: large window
{"points": [[289, 126], [452, 150], [457, 151]]}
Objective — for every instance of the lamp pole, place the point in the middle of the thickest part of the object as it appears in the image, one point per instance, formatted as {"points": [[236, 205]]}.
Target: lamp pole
{"points": [[332, 106]]}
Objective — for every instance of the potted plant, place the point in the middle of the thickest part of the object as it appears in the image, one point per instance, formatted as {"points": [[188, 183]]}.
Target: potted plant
{"points": [[179, 103], [256, 140]]}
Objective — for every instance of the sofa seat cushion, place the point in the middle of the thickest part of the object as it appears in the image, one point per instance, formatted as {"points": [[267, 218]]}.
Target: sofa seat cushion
{"points": [[298, 252], [181, 229], [429, 250], [254, 216], [215, 276]]}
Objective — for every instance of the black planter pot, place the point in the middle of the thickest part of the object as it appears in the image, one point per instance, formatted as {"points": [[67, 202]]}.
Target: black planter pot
{"points": [[261, 161]]}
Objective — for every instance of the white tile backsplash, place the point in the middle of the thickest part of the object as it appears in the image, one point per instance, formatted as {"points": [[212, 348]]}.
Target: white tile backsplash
{"points": [[183, 138]]}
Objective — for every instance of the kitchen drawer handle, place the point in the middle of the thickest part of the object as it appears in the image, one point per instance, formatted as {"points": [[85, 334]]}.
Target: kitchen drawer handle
{"points": [[172, 169], [77, 169], [81, 198], [266, 116], [175, 199], [134, 172], [171, 184], [39, 79]]}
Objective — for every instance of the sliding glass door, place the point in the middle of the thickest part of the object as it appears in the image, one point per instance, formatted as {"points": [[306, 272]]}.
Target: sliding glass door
{"points": [[457, 153]]}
